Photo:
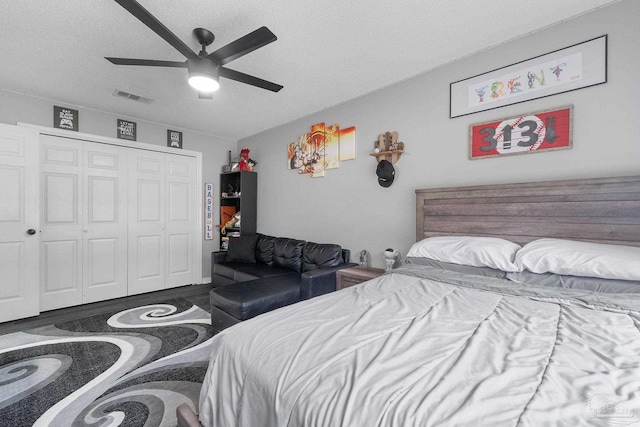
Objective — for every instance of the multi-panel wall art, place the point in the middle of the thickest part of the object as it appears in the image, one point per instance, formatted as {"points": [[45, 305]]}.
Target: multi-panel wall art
{"points": [[321, 149]]}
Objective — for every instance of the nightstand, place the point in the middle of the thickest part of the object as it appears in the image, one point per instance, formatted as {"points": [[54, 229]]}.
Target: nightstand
{"points": [[353, 275]]}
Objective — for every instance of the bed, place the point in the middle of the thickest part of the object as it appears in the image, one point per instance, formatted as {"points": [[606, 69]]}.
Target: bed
{"points": [[519, 305]]}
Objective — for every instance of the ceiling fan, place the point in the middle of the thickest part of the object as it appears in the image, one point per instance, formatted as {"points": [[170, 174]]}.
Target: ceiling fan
{"points": [[204, 69]]}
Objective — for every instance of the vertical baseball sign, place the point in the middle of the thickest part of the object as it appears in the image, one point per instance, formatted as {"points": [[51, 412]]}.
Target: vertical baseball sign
{"points": [[208, 211], [531, 133]]}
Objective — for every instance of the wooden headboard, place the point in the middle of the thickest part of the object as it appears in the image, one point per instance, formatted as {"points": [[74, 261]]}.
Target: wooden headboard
{"points": [[604, 210]]}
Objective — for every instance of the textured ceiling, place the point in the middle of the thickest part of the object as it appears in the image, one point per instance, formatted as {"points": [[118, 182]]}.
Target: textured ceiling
{"points": [[327, 52]]}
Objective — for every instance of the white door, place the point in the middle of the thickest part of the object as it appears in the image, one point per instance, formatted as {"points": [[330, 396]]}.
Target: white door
{"points": [[181, 220], [19, 223], [146, 221], [105, 222], [62, 222]]}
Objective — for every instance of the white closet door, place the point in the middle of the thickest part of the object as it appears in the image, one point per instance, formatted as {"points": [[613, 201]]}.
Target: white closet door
{"points": [[105, 222], [181, 220], [19, 260], [62, 223], [146, 221]]}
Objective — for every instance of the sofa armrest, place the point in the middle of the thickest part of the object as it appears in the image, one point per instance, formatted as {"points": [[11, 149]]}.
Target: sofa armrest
{"points": [[218, 257], [320, 281]]}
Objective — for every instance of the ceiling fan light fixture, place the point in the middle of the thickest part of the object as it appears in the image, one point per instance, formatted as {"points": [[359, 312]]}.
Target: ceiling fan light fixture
{"points": [[204, 84], [204, 69], [204, 75]]}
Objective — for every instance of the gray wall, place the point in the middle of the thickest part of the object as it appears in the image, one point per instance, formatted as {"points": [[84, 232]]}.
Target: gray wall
{"points": [[27, 109], [348, 206]]}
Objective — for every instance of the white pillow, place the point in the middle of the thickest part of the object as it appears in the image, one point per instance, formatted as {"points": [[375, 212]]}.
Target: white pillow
{"points": [[466, 250], [580, 259]]}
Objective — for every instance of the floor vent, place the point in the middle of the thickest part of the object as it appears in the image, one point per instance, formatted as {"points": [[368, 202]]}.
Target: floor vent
{"points": [[132, 97]]}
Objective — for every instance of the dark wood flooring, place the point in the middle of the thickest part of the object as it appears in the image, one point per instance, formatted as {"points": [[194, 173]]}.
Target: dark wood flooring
{"points": [[196, 294]]}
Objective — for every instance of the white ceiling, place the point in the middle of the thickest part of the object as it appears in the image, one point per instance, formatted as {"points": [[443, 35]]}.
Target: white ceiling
{"points": [[327, 52]]}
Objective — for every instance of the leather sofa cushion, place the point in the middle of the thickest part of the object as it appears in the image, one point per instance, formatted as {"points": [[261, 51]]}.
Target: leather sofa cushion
{"points": [[242, 249], [248, 299], [264, 249], [256, 271], [320, 255], [242, 271], [287, 253]]}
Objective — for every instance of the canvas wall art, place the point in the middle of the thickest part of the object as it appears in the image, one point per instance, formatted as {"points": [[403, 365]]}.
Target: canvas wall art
{"points": [[321, 149]]}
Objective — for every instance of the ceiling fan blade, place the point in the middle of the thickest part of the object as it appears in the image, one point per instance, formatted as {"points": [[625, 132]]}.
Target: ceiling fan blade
{"points": [[146, 62], [250, 80], [246, 44], [203, 95], [157, 27]]}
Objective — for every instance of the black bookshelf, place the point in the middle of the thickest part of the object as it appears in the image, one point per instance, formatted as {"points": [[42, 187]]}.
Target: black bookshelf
{"points": [[239, 190]]}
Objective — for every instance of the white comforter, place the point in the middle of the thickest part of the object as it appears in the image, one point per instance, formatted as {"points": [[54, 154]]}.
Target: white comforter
{"points": [[404, 351]]}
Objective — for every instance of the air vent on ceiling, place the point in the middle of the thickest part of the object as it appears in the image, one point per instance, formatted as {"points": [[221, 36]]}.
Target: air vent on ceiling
{"points": [[132, 97]]}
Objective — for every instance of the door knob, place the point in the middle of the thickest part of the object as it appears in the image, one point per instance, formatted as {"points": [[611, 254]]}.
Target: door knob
{"points": [[31, 232]]}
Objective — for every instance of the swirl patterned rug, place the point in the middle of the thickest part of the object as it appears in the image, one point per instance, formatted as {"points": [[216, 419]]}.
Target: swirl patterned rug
{"points": [[131, 368]]}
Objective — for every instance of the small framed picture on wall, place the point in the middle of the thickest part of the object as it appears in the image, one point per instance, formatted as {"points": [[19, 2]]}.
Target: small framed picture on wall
{"points": [[126, 130], [174, 138], [65, 118]]}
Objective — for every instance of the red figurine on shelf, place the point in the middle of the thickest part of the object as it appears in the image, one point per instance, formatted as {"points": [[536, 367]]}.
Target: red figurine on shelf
{"points": [[244, 159]]}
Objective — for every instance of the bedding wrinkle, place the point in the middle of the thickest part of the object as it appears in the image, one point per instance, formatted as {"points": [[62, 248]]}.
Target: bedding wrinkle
{"points": [[546, 368], [597, 358], [484, 385], [450, 363], [364, 364], [635, 319], [254, 366], [598, 342], [394, 355]]}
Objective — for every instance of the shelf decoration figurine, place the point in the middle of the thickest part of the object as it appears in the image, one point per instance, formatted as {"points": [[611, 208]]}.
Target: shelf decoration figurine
{"points": [[234, 222], [244, 159], [364, 258], [390, 256], [227, 168], [388, 148]]}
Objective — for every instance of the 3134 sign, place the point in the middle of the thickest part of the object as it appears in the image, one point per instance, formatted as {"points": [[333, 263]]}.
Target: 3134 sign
{"points": [[532, 133]]}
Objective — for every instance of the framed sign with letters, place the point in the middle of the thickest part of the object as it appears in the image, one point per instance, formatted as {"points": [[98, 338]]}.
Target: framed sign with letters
{"points": [[126, 130], [528, 133], [208, 214], [174, 138], [65, 118], [571, 68]]}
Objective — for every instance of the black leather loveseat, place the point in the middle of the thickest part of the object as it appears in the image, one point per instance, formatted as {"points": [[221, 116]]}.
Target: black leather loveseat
{"points": [[260, 273]]}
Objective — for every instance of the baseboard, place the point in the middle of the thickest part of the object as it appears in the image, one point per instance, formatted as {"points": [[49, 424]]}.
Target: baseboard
{"points": [[206, 280]]}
